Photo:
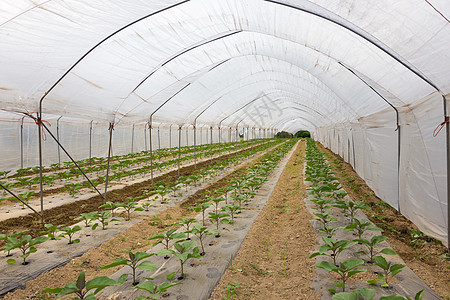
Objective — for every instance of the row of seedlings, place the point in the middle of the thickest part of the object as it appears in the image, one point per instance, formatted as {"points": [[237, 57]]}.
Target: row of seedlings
{"points": [[331, 207]]}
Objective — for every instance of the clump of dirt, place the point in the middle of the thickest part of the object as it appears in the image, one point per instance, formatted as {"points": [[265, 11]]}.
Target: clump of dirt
{"points": [[420, 252], [273, 262]]}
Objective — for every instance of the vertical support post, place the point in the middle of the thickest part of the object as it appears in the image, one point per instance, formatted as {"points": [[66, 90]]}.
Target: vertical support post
{"points": [[151, 149], [220, 135], [195, 145], [210, 152], [21, 143], [170, 136], [159, 139], [111, 128], [132, 139], [145, 137], [201, 135], [57, 137], [179, 148], [41, 187], [187, 136], [90, 139], [447, 145]]}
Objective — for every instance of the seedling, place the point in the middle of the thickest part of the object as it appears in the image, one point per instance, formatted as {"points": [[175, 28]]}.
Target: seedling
{"points": [[80, 288], [25, 244], [363, 294], [184, 251], [87, 218], [156, 290], [231, 209], [187, 223], [361, 226], [133, 263], [5, 236], [325, 218], [202, 208], [219, 218], [231, 291], [202, 231], [128, 207], [333, 245], [165, 238], [216, 203], [388, 269], [350, 208], [104, 217], [111, 206], [146, 206], [73, 188], [52, 231], [345, 270], [69, 233], [26, 197], [371, 244], [329, 230]]}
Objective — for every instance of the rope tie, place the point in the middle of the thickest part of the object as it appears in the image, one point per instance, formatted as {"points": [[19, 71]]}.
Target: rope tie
{"points": [[111, 126], [440, 126], [39, 122]]}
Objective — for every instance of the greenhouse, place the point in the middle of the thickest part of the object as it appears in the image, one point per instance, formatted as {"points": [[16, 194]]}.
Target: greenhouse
{"points": [[224, 149]]}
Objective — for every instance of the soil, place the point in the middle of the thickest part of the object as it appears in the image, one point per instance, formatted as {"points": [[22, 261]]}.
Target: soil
{"points": [[273, 262], [422, 255], [134, 237]]}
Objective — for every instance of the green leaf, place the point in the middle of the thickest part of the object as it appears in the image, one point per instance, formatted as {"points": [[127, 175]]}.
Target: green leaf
{"points": [[99, 283], [69, 288], [94, 226], [381, 262], [39, 240], [81, 282], [147, 266], [350, 264], [11, 261], [141, 255], [52, 291], [117, 262], [366, 294], [392, 297], [338, 283], [345, 296], [372, 282], [419, 295], [388, 251], [327, 266]]}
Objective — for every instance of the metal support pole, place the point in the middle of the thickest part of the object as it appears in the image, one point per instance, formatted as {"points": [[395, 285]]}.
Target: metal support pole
{"points": [[187, 136], [210, 152], [57, 137], [170, 136], [21, 143], [41, 192], [159, 139], [220, 135], [151, 149], [111, 128], [145, 137], [179, 148], [132, 139], [201, 135], [90, 140], [447, 144], [195, 145]]}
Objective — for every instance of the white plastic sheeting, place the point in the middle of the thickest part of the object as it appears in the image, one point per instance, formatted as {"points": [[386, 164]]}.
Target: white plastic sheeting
{"points": [[366, 77]]}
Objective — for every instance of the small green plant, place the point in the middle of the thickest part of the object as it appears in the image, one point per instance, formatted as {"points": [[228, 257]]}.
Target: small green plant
{"points": [[345, 270], [219, 218], [183, 251], [81, 288], [388, 269], [156, 290], [371, 244], [68, 232], [103, 217], [363, 294], [26, 244], [5, 236], [146, 206], [232, 210], [73, 188], [187, 223], [129, 207], [232, 291], [111, 206], [202, 208], [202, 231], [87, 218], [334, 246], [26, 197], [52, 231], [165, 238], [361, 226], [133, 261]]}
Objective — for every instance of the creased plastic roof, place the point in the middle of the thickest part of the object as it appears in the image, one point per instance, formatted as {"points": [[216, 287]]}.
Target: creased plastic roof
{"points": [[195, 52]]}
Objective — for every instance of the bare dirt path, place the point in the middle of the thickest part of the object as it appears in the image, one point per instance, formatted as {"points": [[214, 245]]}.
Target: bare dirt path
{"points": [[274, 262]]}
